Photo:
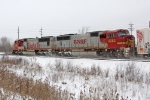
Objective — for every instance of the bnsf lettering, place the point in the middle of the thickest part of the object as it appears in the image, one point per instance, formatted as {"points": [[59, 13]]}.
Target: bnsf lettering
{"points": [[33, 46], [82, 41]]}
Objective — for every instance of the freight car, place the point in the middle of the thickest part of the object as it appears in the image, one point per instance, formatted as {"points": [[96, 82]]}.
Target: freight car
{"points": [[143, 42], [110, 43]]}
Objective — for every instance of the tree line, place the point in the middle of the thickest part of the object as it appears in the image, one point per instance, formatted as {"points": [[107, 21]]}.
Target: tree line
{"points": [[6, 45]]}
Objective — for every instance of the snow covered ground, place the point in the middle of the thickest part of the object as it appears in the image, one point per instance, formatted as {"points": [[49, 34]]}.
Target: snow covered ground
{"points": [[2, 53], [87, 78]]}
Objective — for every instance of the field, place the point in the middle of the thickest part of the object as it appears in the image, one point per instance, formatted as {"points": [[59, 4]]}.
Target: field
{"points": [[49, 78]]}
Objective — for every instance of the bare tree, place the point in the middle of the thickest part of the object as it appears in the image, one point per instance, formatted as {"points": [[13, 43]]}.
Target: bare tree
{"points": [[83, 30], [5, 44]]}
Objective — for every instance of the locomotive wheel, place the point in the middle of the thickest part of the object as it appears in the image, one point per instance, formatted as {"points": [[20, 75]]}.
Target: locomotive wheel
{"points": [[14, 52], [111, 54], [69, 54], [105, 54], [116, 54], [98, 53], [54, 53], [119, 55]]}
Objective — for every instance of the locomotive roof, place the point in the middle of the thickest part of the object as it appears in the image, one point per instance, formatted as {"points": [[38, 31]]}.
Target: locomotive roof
{"points": [[24, 39], [95, 31], [116, 30], [71, 34], [68, 34], [47, 36]]}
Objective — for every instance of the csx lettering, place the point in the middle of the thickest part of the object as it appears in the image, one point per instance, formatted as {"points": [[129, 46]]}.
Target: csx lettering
{"points": [[112, 40], [33, 46], [82, 41]]}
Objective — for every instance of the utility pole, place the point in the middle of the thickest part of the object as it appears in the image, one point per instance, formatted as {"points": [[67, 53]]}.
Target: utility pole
{"points": [[41, 31], [149, 24], [131, 27], [18, 32]]}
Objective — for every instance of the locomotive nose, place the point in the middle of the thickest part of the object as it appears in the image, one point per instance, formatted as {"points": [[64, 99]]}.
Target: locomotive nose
{"points": [[131, 40], [131, 37]]}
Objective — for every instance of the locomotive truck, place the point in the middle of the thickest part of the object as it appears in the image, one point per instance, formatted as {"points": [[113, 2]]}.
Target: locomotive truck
{"points": [[110, 43]]}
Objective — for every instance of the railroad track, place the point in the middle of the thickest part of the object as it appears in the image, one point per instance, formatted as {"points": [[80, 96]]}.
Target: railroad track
{"points": [[93, 58]]}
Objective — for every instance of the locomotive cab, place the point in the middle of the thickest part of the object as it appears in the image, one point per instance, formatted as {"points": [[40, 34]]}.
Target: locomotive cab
{"points": [[118, 41], [125, 39]]}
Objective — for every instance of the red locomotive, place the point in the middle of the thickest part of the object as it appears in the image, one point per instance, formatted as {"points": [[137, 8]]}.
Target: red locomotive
{"points": [[119, 43]]}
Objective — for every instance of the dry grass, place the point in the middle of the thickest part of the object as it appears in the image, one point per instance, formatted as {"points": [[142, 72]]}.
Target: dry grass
{"points": [[105, 87], [24, 86]]}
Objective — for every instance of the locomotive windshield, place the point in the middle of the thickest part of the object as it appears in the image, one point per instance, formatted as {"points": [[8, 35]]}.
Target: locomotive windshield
{"points": [[121, 34]]}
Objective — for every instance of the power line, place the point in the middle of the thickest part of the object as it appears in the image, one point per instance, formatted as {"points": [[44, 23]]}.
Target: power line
{"points": [[131, 27]]}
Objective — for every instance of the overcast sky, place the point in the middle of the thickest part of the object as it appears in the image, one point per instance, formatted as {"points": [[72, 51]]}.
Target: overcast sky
{"points": [[58, 17]]}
